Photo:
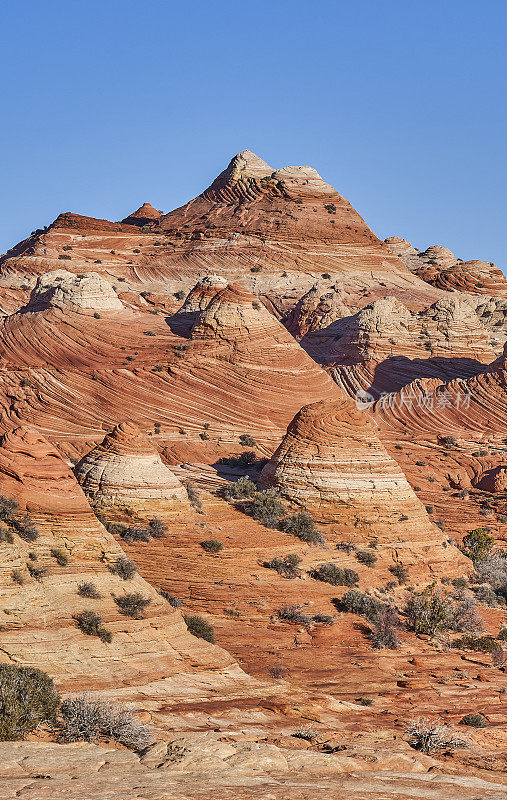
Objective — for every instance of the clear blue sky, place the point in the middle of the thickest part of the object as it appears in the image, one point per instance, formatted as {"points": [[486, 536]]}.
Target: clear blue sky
{"points": [[400, 105]]}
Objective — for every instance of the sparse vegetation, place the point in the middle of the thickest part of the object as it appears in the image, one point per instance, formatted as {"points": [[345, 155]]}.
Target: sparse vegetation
{"points": [[243, 461], [241, 489], [132, 604], [278, 672], [124, 568], [478, 644], [477, 545], [433, 736], [303, 526], [294, 615], [433, 610], [266, 507], [366, 557], [400, 572], [134, 533], [212, 546], [173, 601], [27, 698], [91, 623], [6, 536], [246, 440], [26, 528], [286, 566], [385, 624], [199, 627], [335, 575], [194, 497], [305, 732], [158, 528], [82, 719], [474, 720], [60, 557], [38, 573], [88, 589], [18, 577]]}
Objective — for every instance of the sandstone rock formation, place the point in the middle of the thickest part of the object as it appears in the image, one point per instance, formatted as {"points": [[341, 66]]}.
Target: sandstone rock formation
{"points": [[200, 296], [60, 289], [126, 470], [144, 214]]}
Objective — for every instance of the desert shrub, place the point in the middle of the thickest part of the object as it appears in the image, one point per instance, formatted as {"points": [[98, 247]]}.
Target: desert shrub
{"points": [[449, 441], [6, 536], [232, 612], [26, 529], [433, 610], [18, 577], [485, 594], [212, 546], [323, 619], [180, 294], [330, 208], [356, 602], [433, 736], [335, 575], [27, 698], [383, 633], [478, 644], [460, 583], [400, 572], [477, 545], [194, 497], [38, 573], [420, 463], [200, 627], [502, 635], [243, 461], [134, 533], [240, 489], [7, 508], [60, 557], [347, 547], [294, 615], [302, 525], [364, 701], [158, 528], [88, 589], [255, 269], [173, 601], [493, 569], [266, 507], [278, 672], [286, 566], [305, 732], [246, 440], [429, 509], [366, 557], [132, 604], [83, 719], [474, 720], [91, 623], [325, 275], [124, 568]]}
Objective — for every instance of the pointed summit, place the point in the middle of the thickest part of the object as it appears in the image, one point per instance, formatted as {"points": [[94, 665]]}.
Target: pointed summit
{"points": [[244, 165], [144, 214]]}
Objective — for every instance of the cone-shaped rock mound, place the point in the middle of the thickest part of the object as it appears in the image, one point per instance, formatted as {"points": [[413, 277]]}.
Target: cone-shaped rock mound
{"points": [[126, 468], [144, 214], [201, 295], [60, 289], [234, 314]]}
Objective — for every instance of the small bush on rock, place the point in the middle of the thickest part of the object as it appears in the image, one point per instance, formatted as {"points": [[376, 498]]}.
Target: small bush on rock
{"points": [[241, 489], [432, 737], [366, 557], [27, 698], [286, 566], [302, 525], [474, 720], [477, 544], [82, 719], [335, 575], [6, 536], [132, 605], [356, 602], [385, 624], [88, 589], [60, 557], [199, 627], [294, 615], [267, 508], [246, 440], [157, 528], [212, 546], [432, 610], [124, 568], [173, 601], [400, 572], [91, 623], [26, 529], [135, 534]]}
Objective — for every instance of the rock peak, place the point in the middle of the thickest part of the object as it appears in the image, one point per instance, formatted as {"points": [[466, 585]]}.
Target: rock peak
{"points": [[145, 213], [243, 165]]}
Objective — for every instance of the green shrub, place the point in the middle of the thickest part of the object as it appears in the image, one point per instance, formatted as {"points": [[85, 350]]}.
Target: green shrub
{"points": [[212, 546], [335, 575], [90, 623], [364, 701], [323, 619], [477, 544], [7, 508], [26, 529], [246, 440], [503, 634], [88, 589], [27, 697], [432, 610], [241, 489], [400, 572], [60, 557], [199, 627], [124, 568], [135, 533], [266, 507], [194, 497], [478, 644], [294, 615], [366, 557], [286, 566], [132, 605], [38, 573], [302, 525], [243, 461], [460, 583], [474, 720], [356, 602]]}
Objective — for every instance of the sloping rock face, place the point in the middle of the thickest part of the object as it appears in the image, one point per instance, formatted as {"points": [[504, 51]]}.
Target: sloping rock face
{"points": [[316, 310], [126, 470], [201, 295], [386, 346], [493, 480], [332, 464]]}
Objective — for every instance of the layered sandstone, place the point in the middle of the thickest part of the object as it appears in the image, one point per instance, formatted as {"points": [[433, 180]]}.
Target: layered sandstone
{"points": [[144, 214], [126, 470]]}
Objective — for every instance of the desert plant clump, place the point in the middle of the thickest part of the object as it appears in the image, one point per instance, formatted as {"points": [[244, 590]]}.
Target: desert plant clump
{"points": [[194, 497], [278, 672], [356, 602], [266, 507], [60, 557], [366, 557], [82, 719], [134, 533], [6, 536], [91, 623], [199, 627], [157, 528], [18, 577], [246, 440], [124, 568], [432, 610], [88, 589], [433, 736], [241, 489], [212, 546], [173, 601], [305, 732], [460, 583], [346, 547], [38, 573], [323, 619], [7, 508], [335, 575], [400, 572], [385, 624], [26, 529], [493, 570], [132, 604], [477, 545], [303, 526], [243, 461], [364, 701], [286, 566], [294, 615], [27, 698], [474, 720], [478, 644]]}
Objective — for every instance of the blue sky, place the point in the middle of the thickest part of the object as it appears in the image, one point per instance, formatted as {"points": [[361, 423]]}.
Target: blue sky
{"points": [[400, 105]]}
